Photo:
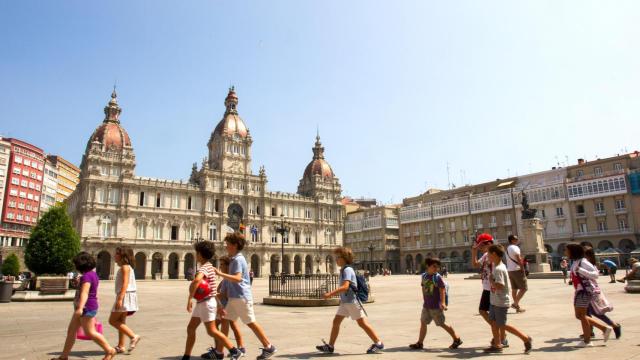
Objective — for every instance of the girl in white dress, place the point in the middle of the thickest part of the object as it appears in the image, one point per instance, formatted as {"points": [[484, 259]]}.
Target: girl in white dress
{"points": [[126, 299]]}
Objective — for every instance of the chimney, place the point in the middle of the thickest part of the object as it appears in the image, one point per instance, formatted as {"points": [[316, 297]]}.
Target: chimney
{"points": [[580, 161]]}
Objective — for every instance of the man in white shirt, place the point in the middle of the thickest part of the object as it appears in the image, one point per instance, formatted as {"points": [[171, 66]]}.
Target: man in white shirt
{"points": [[517, 277]]}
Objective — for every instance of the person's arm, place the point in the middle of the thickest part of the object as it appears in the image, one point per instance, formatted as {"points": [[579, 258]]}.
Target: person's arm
{"points": [[84, 295], [474, 257], [497, 281], [587, 270], [125, 283], [443, 298], [192, 289], [343, 288], [236, 278]]}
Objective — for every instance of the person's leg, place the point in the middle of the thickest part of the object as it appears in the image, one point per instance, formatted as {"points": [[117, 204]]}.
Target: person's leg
{"points": [[519, 296], [259, 332], [423, 332], [581, 314], [89, 327], [74, 324], [513, 330], [119, 321], [191, 335], [335, 329], [217, 334], [495, 333], [236, 333], [224, 328], [450, 331], [364, 324]]}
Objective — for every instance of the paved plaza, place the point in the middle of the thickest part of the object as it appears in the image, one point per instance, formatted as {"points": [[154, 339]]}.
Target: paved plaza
{"points": [[37, 330]]}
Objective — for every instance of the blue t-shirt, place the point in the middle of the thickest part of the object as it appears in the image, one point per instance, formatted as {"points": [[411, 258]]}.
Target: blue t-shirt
{"points": [[349, 296], [242, 289], [610, 264], [431, 285]]}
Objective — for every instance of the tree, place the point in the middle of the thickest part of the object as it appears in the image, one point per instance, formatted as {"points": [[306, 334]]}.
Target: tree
{"points": [[53, 243], [11, 265]]}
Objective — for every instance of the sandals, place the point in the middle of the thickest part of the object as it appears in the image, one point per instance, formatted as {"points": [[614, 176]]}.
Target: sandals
{"points": [[110, 355], [134, 342], [416, 346], [119, 350]]}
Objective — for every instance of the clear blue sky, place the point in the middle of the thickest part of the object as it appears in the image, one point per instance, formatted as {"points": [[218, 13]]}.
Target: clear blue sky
{"points": [[398, 88]]}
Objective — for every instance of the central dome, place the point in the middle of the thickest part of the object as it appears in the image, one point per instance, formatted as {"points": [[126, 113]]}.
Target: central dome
{"points": [[231, 123], [318, 166]]}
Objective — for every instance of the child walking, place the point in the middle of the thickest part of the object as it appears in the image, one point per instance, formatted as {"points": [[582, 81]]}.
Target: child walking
{"points": [[240, 304], [85, 308], [434, 296], [590, 255], [500, 302], [126, 299], [206, 307], [223, 324], [349, 305]]}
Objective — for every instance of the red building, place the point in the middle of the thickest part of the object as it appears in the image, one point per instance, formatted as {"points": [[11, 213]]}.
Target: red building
{"points": [[22, 194]]}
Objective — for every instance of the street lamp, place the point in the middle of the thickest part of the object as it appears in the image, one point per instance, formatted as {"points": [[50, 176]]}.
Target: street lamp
{"points": [[318, 258], [282, 228], [371, 247]]}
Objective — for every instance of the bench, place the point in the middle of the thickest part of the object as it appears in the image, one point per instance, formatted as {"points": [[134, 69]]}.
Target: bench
{"points": [[53, 286]]}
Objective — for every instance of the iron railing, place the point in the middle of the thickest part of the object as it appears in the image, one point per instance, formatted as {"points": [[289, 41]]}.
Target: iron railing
{"points": [[309, 286]]}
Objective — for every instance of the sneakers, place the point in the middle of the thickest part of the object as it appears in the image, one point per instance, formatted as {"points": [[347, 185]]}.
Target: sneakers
{"points": [[416, 346], [325, 348], [375, 348], [235, 354], [493, 350], [618, 331], [212, 354], [607, 333], [267, 353], [456, 343], [528, 345], [583, 344]]}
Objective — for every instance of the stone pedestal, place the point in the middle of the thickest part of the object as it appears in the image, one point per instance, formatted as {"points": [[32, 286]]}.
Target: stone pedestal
{"points": [[532, 245]]}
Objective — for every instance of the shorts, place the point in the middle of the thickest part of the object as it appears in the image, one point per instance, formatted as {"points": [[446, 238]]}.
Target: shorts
{"points": [[612, 271], [239, 308], [436, 315], [89, 313], [499, 315], [518, 280], [352, 310], [582, 299], [485, 301], [205, 310]]}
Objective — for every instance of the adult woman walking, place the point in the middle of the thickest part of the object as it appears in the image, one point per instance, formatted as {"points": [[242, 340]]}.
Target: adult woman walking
{"points": [[583, 275]]}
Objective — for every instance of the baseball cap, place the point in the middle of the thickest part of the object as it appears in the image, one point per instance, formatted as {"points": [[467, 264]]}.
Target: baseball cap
{"points": [[484, 238]]}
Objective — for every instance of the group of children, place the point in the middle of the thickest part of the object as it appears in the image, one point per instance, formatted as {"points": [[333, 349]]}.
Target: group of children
{"points": [[220, 305], [86, 306]]}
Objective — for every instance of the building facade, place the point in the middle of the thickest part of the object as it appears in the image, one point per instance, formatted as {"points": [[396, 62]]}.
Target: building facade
{"points": [[49, 186], [21, 204], [161, 219], [594, 203], [5, 152], [372, 234], [67, 177]]}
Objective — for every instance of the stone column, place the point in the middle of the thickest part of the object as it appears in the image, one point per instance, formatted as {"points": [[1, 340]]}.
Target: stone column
{"points": [[165, 268], [532, 245], [181, 269], [147, 270], [112, 270]]}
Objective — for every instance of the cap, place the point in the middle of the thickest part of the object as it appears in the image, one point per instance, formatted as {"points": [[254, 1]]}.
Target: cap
{"points": [[484, 238]]}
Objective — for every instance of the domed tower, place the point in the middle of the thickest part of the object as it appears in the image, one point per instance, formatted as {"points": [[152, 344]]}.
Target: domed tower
{"points": [[230, 142], [318, 179], [109, 150]]}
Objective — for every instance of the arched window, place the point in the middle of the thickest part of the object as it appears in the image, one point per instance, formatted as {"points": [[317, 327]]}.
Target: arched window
{"points": [[213, 232]]}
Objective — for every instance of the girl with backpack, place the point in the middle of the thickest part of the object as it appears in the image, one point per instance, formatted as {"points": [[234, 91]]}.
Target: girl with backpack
{"points": [[350, 305]]}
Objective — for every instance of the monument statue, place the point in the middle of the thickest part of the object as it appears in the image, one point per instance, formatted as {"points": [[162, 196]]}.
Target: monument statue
{"points": [[527, 212]]}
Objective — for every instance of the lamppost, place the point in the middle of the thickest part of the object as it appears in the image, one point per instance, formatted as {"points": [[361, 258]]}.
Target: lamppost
{"points": [[371, 247], [282, 228], [318, 259]]}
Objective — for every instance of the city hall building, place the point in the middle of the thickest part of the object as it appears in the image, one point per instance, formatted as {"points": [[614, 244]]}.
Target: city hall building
{"points": [[162, 219]]}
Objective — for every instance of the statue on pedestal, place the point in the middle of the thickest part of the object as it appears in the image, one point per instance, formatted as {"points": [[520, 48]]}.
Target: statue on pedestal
{"points": [[527, 213]]}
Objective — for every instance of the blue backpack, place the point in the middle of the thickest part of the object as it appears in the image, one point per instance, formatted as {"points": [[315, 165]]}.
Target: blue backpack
{"points": [[362, 290]]}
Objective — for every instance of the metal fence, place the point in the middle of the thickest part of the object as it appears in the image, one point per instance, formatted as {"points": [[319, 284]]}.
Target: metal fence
{"points": [[311, 286]]}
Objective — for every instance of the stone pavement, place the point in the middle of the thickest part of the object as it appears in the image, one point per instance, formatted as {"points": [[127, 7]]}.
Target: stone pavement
{"points": [[37, 330]]}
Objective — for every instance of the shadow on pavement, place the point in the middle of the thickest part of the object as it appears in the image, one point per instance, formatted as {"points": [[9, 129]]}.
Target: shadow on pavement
{"points": [[80, 354]]}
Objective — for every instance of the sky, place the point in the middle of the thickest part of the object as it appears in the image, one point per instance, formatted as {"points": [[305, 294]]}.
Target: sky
{"points": [[401, 91]]}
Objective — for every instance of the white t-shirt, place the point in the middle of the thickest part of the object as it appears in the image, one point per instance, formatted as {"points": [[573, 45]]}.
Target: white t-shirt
{"points": [[486, 268], [513, 251]]}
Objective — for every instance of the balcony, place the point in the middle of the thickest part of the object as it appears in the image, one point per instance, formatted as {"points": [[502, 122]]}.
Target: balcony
{"points": [[478, 226], [581, 215], [600, 213], [620, 210], [465, 228], [452, 229], [561, 235], [440, 231], [621, 231], [493, 225], [560, 217], [506, 223]]}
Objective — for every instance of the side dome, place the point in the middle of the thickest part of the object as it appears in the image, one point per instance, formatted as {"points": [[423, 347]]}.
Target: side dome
{"points": [[110, 134], [231, 123], [318, 166]]}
